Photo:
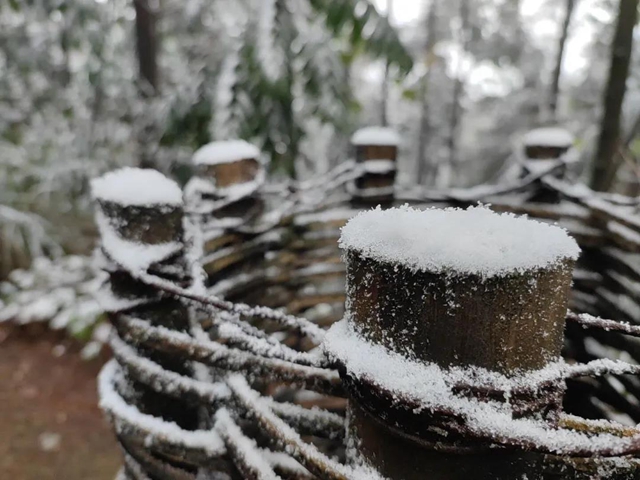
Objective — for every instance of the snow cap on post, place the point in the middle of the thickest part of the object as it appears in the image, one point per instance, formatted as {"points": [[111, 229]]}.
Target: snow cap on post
{"points": [[136, 187], [229, 163], [376, 136], [548, 143], [549, 137], [137, 206], [452, 241], [227, 151]]}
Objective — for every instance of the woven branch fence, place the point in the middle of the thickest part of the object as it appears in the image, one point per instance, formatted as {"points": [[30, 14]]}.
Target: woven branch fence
{"points": [[220, 305]]}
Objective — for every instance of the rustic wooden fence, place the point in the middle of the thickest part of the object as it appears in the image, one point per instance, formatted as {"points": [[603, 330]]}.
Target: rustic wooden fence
{"points": [[219, 303]]}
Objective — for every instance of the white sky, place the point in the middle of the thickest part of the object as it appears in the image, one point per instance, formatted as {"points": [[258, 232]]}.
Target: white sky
{"points": [[545, 30]]}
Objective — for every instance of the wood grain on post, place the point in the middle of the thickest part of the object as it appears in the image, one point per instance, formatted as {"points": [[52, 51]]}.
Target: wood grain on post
{"points": [[508, 323]]}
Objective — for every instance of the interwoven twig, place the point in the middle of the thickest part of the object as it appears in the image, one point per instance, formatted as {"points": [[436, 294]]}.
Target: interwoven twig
{"points": [[249, 372]]}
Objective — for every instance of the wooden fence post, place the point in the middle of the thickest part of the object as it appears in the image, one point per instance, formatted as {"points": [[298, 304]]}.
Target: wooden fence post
{"points": [[230, 172], [376, 151], [542, 148], [462, 288], [140, 218], [229, 175]]}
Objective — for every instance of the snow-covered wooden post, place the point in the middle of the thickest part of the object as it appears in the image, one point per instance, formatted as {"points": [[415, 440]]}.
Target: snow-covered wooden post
{"points": [[376, 151], [140, 219], [231, 172], [547, 149], [435, 299]]}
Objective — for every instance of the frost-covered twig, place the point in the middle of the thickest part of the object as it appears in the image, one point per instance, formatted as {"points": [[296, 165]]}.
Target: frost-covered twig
{"points": [[591, 321], [243, 450], [218, 355], [299, 324], [153, 431], [165, 381]]}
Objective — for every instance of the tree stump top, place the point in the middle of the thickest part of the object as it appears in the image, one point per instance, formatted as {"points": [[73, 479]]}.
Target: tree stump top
{"points": [[476, 241]]}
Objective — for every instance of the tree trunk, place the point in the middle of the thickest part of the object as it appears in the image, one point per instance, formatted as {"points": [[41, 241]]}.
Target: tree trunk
{"points": [[147, 45], [606, 162], [385, 81], [458, 87], [425, 124], [555, 80]]}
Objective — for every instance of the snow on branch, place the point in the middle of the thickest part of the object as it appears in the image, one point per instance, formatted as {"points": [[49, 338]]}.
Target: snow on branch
{"points": [[491, 421], [232, 335], [591, 321], [243, 450], [300, 324], [310, 421], [153, 430], [308, 455], [218, 355], [165, 381]]}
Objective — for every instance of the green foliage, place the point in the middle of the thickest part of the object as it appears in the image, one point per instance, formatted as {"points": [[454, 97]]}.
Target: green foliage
{"points": [[366, 31]]}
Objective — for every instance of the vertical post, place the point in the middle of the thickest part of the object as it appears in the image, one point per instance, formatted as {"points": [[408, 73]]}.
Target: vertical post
{"points": [[376, 151], [452, 288], [229, 170], [140, 219], [545, 149]]}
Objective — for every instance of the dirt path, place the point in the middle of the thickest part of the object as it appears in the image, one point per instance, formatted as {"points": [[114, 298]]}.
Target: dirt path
{"points": [[50, 425]]}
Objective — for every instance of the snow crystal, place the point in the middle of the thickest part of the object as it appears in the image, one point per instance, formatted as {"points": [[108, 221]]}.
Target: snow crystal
{"points": [[473, 241], [136, 186], [548, 137], [225, 152], [376, 136]]}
